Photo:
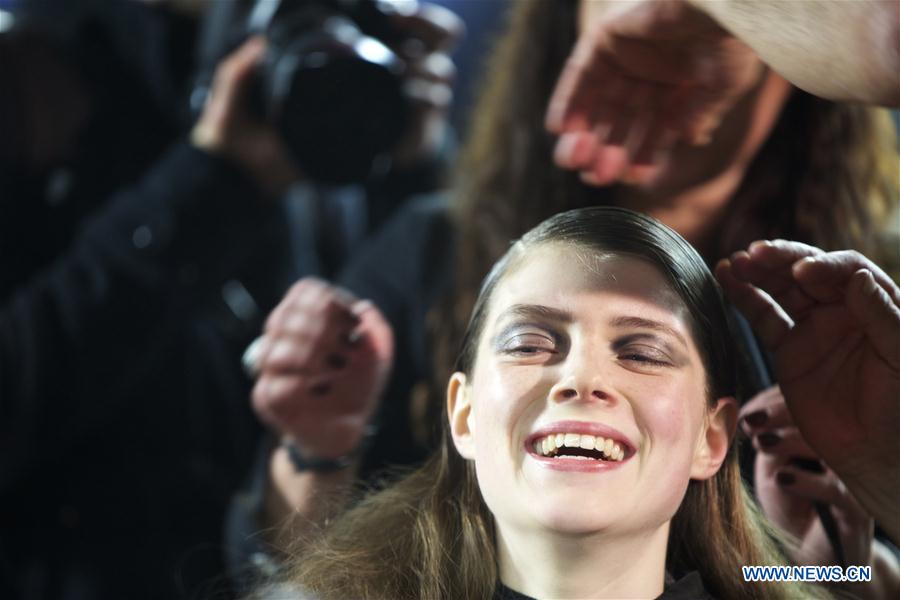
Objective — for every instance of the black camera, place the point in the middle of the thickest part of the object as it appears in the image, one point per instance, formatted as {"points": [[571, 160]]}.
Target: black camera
{"points": [[330, 82]]}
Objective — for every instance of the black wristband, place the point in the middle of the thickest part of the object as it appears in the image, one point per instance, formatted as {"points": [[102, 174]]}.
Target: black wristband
{"points": [[326, 465]]}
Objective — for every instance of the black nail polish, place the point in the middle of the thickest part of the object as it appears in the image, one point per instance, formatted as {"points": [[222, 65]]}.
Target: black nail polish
{"points": [[320, 389], [336, 361], [767, 440], [757, 418], [785, 478], [808, 464]]}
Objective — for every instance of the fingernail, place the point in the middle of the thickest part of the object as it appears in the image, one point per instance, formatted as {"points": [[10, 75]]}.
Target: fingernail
{"points": [[757, 418], [320, 389], [785, 478], [808, 464], [767, 440], [868, 286], [336, 361]]}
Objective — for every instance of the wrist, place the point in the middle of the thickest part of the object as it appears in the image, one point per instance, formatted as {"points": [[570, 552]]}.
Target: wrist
{"points": [[305, 459]]}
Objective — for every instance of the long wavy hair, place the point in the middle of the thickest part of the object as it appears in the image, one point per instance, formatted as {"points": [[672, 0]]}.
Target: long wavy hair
{"points": [[431, 535]]}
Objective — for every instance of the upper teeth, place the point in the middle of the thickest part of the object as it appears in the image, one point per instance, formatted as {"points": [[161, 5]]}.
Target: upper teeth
{"points": [[548, 445]]}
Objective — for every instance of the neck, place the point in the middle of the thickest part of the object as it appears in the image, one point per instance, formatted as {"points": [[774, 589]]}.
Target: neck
{"points": [[597, 565]]}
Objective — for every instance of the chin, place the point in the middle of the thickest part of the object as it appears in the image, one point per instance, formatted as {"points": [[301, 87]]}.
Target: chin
{"points": [[578, 519]]}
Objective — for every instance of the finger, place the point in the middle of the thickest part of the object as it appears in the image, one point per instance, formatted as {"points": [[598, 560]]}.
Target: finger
{"points": [[305, 355], [774, 279], [609, 164], [877, 314], [767, 318], [585, 76], [576, 151], [767, 410], [437, 27], [657, 139], [609, 110], [310, 295], [252, 357], [233, 76], [424, 94], [825, 275], [786, 442], [825, 487], [436, 67]]}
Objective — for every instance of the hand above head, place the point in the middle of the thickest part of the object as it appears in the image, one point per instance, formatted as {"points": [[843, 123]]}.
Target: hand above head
{"points": [[227, 128], [642, 76], [833, 324], [323, 362]]}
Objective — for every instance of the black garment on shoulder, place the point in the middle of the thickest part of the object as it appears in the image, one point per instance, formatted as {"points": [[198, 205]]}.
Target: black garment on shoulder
{"points": [[689, 587]]}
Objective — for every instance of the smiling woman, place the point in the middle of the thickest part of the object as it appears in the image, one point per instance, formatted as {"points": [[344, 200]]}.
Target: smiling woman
{"points": [[587, 449]]}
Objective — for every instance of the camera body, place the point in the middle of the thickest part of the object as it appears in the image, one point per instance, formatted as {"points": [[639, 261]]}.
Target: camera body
{"points": [[329, 83]]}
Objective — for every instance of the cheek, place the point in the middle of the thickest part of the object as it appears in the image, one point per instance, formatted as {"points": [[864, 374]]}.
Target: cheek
{"points": [[505, 398], [670, 416]]}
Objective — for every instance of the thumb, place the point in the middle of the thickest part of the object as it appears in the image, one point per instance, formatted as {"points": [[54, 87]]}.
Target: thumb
{"points": [[235, 73], [877, 314]]}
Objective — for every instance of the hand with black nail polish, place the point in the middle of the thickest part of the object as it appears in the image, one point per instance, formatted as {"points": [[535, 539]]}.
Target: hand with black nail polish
{"points": [[831, 321], [791, 479], [315, 387]]}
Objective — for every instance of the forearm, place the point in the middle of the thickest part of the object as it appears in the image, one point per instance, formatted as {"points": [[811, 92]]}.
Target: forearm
{"points": [[297, 503], [848, 51]]}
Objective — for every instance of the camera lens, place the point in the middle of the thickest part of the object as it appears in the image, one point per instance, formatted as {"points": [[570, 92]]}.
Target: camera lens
{"points": [[335, 95]]}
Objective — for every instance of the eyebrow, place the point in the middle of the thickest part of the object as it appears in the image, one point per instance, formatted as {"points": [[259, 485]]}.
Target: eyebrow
{"points": [[536, 311], [641, 323]]}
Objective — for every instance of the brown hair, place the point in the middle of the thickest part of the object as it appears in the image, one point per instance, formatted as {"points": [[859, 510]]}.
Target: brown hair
{"points": [[431, 535]]}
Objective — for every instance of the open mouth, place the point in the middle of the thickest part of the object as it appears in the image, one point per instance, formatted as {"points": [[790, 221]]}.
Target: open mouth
{"points": [[578, 446]]}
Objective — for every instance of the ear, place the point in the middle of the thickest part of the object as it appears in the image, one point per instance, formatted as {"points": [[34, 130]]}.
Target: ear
{"points": [[712, 447], [459, 411]]}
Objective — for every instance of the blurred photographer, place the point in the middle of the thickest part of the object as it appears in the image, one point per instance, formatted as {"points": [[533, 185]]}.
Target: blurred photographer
{"points": [[124, 426]]}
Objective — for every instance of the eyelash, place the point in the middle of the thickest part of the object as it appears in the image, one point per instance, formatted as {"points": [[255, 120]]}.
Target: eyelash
{"points": [[644, 358], [525, 349]]}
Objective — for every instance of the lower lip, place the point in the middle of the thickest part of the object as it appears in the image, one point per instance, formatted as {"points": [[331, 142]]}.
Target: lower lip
{"points": [[577, 464]]}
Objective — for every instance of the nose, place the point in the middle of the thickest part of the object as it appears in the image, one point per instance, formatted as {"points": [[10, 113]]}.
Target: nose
{"points": [[582, 378]]}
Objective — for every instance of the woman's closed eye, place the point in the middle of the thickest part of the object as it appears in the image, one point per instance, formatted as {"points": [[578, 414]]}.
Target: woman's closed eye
{"points": [[528, 344], [644, 356]]}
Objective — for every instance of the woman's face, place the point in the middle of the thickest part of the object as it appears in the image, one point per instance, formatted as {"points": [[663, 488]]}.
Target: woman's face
{"points": [[581, 350]]}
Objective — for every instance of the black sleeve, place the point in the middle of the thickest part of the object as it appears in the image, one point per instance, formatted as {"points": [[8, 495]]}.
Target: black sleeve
{"points": [[92, 324]]}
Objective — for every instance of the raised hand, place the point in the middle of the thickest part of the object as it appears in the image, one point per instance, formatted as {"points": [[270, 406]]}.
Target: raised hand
{"points": [[323, 363], [227, 127], [642, 76], [833, 323]]}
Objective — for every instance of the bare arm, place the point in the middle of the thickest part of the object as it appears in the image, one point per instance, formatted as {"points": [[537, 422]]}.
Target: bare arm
{"points": [[838, 49], [297, 503], [322, 365]]}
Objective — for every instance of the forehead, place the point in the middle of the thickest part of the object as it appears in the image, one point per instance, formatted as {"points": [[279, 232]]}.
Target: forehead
{"points": [[556, 275]]}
